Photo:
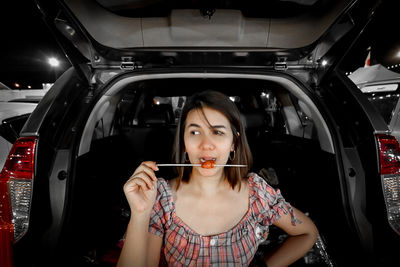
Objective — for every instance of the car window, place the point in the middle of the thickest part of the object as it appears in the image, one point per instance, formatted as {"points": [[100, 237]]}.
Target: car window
{"points": [[273, 108], [274, 111], [175, 102]]}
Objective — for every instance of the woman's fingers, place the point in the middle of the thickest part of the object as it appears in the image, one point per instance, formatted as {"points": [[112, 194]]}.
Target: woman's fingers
{"points": [[151, 164], [148, 167], [140, 189], [150, 171], [142, 183], [142, 179]]}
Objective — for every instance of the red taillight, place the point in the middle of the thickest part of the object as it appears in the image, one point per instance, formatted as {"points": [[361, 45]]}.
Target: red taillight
{"points": [[389, 154], [389, 158], [15, 195]]}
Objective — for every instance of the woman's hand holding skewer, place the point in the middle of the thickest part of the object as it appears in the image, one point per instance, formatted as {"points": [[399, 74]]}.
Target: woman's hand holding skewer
{"points": [[141, 188]]}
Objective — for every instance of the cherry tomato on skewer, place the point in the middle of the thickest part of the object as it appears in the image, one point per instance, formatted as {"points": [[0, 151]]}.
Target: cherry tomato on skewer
{"points": [[209, 164]]}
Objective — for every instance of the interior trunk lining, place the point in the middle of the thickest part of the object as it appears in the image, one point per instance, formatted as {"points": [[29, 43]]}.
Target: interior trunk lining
{"points": [[294, 164]]}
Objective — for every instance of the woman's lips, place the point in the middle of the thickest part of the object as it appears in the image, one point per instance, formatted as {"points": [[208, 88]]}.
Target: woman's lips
{"points": [[204, 159]]}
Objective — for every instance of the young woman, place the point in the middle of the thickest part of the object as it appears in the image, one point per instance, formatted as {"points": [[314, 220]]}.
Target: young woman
{"points": [[209, 216]]}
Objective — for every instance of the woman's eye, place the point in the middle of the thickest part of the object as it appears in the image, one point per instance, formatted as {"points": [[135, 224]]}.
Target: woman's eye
{"points": [[218, 132], [194, 132]]}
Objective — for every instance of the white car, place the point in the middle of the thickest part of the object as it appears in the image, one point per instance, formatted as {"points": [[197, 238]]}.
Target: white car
{"points": [[12, 117], [382, 87], [7, 95]]}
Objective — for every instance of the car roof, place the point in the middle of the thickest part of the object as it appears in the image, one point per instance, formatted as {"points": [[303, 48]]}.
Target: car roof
{"points": [[374, 75]]}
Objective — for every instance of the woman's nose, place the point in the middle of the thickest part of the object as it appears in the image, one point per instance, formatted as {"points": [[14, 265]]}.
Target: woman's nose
{"points": [[207, 143]]}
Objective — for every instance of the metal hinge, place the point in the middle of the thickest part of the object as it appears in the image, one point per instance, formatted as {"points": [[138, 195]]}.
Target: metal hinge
{"points": [[127, 63]]}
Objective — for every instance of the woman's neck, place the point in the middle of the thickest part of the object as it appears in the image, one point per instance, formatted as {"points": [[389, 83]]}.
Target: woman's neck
{"points": [[208, 185]]}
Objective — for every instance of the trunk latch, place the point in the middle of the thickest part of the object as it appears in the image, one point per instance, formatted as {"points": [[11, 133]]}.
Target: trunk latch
{"points": [[128, 63], [281, 65]]}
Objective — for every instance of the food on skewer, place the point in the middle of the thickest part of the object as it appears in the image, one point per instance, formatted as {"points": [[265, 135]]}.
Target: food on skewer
{"points": [[208, 164], [198, 165]]}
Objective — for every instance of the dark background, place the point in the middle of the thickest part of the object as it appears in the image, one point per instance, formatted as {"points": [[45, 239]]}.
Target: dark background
{"points": [[27, 44]]}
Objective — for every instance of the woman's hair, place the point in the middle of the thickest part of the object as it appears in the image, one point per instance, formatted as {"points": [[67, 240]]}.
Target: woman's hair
{"points": [[220, 102]]}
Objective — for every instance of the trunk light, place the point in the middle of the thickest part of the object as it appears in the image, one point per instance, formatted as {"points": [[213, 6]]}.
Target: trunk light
{"points": [[15, 195], [389, 157]]}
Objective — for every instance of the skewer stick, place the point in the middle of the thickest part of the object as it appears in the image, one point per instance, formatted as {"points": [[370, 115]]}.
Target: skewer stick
{"points": [[197, 165]]}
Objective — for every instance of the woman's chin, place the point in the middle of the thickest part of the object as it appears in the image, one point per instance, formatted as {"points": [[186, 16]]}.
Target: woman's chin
{"points": [[209, 172]]}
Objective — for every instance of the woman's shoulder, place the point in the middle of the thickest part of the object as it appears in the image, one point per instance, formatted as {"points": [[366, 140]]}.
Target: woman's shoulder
{"points": [[172, 182], [164, 196], [268, 202], [260, 187], [162, 183], [167, 187], [163, 187], [256, 180]]}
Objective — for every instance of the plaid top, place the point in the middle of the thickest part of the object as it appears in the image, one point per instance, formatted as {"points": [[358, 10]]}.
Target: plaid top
{"points": [[184, 247]]}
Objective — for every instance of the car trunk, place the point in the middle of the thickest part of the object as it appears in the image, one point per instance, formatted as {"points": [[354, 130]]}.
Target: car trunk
{"points": [[316, 145], [135, 119]]}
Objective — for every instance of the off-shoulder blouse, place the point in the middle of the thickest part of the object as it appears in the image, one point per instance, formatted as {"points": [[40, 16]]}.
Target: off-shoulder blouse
{"points": [[182, 246]]}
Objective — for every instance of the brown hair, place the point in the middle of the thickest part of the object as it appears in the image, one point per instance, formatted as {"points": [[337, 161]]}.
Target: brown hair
{"points": [[220, 102]]}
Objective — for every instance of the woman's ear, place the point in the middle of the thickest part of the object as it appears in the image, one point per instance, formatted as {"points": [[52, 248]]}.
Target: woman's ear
{"points": [[233, 141]]}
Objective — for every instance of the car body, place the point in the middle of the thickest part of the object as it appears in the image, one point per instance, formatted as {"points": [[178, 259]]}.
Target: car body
{"points": [[4, 87], [12, 117], [29, 94], [312, 132]]}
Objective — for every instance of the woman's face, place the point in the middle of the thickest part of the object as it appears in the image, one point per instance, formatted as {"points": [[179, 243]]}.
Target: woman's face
{"points": [[205, 141]]}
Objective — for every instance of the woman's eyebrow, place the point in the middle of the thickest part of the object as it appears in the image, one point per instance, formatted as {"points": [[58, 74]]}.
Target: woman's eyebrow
{"points": [[194, 125], [218, 126], [211, 126]]}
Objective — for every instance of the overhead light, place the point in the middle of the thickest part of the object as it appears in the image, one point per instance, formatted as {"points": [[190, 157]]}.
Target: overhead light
{"points": [[54, 62], [324, 62]]}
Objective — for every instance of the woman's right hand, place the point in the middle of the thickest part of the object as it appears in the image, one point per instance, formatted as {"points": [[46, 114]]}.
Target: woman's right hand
{"points": [[141, 188]]}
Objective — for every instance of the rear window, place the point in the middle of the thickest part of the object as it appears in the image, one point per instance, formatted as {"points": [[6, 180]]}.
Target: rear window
{"points": [[176, 102], [263, 110]]}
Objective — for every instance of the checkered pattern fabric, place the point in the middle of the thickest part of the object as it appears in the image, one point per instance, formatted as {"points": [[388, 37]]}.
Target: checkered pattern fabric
{"points": [[184, 247]]}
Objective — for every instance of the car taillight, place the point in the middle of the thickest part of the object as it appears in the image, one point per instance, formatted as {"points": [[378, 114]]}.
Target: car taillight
{"points": [[16, 180], [389, 157]]}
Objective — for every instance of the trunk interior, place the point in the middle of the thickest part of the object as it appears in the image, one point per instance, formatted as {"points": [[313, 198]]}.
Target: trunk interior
{"points": [[136, 120]]}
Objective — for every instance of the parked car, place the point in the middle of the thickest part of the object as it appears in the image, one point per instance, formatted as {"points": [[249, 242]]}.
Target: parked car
{"points": [[312, 132], [382, 87], [7, 95]]}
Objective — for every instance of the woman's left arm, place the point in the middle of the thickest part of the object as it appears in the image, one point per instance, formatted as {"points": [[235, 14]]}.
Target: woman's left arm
{"points": [[302, 237]]}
